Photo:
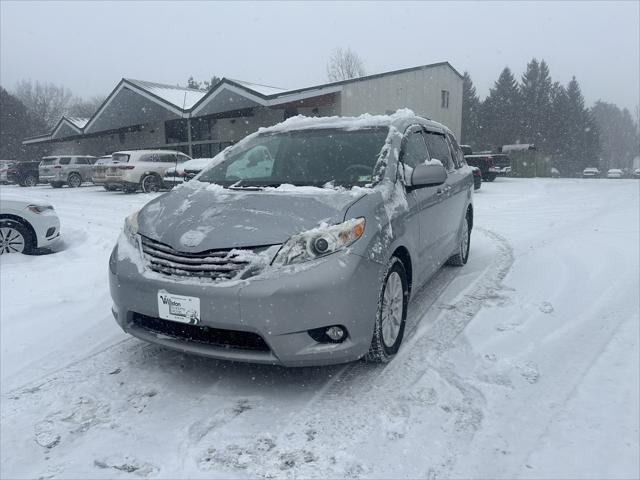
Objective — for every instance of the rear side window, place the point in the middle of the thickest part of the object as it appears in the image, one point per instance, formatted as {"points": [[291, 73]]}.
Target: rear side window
{"points": [[64, 161], [439, 149], [414, 150], [48, 161]]}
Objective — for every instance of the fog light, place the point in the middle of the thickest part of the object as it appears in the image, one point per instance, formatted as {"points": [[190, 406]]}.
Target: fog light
{"points": [[332, 334], [335, 333]]}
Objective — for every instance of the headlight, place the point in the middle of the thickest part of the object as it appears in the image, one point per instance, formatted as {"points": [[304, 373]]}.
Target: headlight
{"points": [[40, 208], [319, 242], [130, 228]]}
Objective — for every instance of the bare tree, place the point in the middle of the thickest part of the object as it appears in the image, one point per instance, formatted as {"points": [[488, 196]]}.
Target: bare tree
{"points": [[344, 64], [44, 101], [79, 107]]}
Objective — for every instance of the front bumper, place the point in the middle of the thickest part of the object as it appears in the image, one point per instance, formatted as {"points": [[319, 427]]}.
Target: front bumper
{"points": [[281, 307]]}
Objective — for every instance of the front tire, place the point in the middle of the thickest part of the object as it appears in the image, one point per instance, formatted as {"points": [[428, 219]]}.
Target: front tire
{"points": [[150, 184], [464, 244], [15, 238], [391, 315], [29, 181]]}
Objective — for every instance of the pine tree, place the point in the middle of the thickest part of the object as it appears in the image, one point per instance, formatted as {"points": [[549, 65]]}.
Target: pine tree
{"points": [[536, 108], [500, 112], [470, 113], [582, 137]]}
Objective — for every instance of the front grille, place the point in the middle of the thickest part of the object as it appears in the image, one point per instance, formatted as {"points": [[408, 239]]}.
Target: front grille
{"points": [[217, 337], [212, 264]]}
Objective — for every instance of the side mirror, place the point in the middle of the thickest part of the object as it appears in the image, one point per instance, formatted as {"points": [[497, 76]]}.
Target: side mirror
{"points": [[428, 175]]}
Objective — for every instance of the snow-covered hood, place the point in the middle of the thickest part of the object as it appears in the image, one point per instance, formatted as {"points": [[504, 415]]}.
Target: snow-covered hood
{"points": [[203, 217]]}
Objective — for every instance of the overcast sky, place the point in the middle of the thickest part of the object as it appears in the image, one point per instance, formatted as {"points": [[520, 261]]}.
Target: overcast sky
{"points": [[89, 46]]}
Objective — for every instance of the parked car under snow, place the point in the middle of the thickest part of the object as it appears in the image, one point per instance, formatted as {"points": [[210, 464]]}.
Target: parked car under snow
{"points": [[301, 246]]}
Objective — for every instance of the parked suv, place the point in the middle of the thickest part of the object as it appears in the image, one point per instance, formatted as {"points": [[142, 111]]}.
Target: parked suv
{"points": [[302, 246], [99, 171], [24, 174], [141, 169], [69, 169]]}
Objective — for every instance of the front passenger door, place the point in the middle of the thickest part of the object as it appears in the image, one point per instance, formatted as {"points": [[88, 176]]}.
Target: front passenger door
{"points": [[429, 205]]}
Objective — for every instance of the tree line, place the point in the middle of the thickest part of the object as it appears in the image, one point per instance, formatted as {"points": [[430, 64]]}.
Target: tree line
{"points": [[35, 108], [554, 117]]}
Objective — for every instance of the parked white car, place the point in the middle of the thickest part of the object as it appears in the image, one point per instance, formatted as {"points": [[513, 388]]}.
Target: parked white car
{"points": [[615, 173], [27, 225], [4, 166], [186, 171], [66, 169], [590, 172], [141, 169]]}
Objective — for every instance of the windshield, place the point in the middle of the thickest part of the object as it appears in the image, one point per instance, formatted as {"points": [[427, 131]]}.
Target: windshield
{"points": [[302, 157]]}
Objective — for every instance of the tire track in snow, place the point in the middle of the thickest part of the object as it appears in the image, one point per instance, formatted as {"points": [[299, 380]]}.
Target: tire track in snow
{"points": [[367, 401]]}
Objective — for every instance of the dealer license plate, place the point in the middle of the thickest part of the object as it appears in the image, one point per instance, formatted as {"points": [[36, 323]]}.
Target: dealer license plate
{"points": [[178, 308]]}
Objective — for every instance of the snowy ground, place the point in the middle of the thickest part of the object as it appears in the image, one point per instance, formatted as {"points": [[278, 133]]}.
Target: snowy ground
{"points": [[523, 364]]}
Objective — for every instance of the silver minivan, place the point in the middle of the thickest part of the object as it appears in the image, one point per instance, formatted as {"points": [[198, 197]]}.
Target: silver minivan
{"points": [[71, 170], [301, 245]]}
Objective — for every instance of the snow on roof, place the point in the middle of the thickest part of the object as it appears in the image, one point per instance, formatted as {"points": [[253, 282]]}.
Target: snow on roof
{"points": [[261, 89], [181, 97], [79, 122]]}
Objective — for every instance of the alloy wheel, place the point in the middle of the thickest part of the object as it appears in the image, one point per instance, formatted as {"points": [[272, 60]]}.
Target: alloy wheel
{"points": [[392, 309], [150, 184], [11, 241]]}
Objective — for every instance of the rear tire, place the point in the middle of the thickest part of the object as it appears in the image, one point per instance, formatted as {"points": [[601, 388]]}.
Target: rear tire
{"points": [[391, 315], [464, 244], [74, 180], [15, 238]]}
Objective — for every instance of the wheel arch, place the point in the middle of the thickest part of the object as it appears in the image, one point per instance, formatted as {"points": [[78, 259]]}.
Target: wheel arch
{"points": [[404, 256]]}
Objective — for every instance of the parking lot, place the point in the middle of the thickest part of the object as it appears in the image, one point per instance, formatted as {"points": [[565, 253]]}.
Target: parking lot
{"points": [[521, 364]]}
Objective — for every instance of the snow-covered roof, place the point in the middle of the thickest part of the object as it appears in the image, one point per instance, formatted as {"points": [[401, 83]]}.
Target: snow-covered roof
{"points": [[79, 122], [182, 97], [261, 89]]}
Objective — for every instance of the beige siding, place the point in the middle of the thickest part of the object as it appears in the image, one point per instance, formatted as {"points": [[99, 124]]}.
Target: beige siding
{"points": [[419, 90]]}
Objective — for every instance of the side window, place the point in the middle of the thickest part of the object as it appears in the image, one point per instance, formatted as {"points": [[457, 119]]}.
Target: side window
{"points": [[149, 157], [414, 150], [439, 149], [80, 161], [167, 158], [456, 151], [64, 161]]}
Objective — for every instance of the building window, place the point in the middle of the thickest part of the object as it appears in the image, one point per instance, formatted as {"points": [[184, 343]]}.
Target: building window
{"points": [[175, 131], [444, 99], [201, 128]]}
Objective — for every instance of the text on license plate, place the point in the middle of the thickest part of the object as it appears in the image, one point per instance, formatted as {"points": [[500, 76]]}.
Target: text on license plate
{"points": [[178, 308]]}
